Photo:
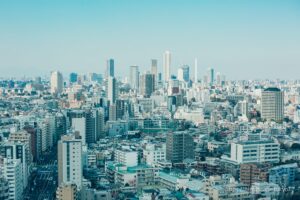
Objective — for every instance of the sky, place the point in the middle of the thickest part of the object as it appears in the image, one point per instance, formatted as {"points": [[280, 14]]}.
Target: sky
{"points": [[244, 39]]}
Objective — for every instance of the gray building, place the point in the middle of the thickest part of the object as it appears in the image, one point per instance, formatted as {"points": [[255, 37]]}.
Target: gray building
{"points": [[180, 146], [272, 104]]}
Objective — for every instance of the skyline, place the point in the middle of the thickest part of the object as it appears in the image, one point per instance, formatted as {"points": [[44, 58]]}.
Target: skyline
{"points": [[243, 40]]}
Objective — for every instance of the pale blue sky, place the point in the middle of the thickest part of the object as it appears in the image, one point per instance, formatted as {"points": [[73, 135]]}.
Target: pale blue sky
{"points": [[242, 39]]}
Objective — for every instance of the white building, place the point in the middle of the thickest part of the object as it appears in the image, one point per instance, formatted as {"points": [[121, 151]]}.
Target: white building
{"points": [[70, 160], [79, 124], [255, 151], [57, 82], [167, 65], [12, 171], [134, 77], [153, 153], [126, 157]]}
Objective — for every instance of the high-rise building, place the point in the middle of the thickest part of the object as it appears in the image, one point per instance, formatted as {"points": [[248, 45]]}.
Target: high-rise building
{"points": [[147, 84], [12, 172], [14, 151], [196, 71], [110, 68], [73, 77], [167, 66], [112, 112], [112, 90], [70, 160], [180, 146], [134, 77], [79, 124], [272, 104], [154, 68], [57, 82], [184, 73], [211, 76]]}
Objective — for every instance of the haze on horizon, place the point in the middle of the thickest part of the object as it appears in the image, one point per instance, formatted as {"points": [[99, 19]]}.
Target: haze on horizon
{"points": [[241, 39]]}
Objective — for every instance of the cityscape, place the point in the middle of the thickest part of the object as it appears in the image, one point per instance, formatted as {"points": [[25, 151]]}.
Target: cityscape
{"points": [[167, 128]]}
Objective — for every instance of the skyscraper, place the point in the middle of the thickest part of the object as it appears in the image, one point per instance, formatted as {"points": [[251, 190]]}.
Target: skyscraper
{"points": [[111, 89], [57, 82], [110, 68], [147, 84], [73, 77], [154, 68], [134, 77], [196, 71], [272, 104], [180, 145], [70, 160], [211, 76], [167, 65], [184, 73]]}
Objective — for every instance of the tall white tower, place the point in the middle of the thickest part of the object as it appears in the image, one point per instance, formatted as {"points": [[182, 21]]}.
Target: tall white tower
{"points": [[57, 82], [167, 65], [196, 70], [70, 160], [134, 77]]}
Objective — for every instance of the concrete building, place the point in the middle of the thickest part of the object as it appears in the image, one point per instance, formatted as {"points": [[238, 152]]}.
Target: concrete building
{"points": [[67, 192], [254, 172], [110, 68], [184, 73], [180, 146], [70, 160], [167, 66], [57, 82], [272, 104], [12, 172], [147, 84], [126, 157], [283, 175], [154, 153], [134, 77], [255, 151], [112, 90]]}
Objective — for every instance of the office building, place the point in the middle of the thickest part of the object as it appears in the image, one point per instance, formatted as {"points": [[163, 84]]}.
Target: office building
{"points": [[134, 77], [154, 69], [255, 151], [211, 76], [112, 90], [70, 160], [18, 150], [147, 84], [110, 68], [167, 66], [57, 82], [180, 146], [12, 172], [184, 73], [272, 104], [73, 77]]}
